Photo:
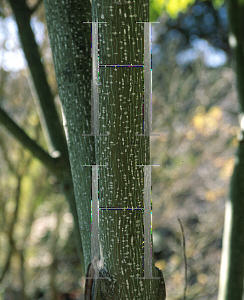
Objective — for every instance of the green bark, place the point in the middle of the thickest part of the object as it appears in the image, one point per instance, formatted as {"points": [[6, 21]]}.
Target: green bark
{"points": [[232, 263], [70, 40], [121, 182]]}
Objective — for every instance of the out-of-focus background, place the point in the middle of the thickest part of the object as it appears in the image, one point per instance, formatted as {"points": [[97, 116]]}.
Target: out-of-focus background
{"points": [[194, 108]]}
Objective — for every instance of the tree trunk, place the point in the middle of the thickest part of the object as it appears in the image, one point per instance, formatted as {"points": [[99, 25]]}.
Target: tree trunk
{"points": [[125, 150], [120, 127], [71, 47], [232, 263]]}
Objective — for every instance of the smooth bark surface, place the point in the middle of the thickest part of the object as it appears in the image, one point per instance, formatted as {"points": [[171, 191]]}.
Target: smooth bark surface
{"points": [[70, 40]]}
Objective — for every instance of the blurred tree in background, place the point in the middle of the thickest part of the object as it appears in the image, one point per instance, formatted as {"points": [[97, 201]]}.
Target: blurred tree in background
{"points": [[194, 106]]}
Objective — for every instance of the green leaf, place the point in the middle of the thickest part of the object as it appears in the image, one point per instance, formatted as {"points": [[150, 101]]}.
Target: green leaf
{"points": [[174, 7]]}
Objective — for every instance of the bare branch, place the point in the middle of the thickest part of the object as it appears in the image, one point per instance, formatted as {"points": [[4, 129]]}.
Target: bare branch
{"points": [[27, 142], [56, 139]]}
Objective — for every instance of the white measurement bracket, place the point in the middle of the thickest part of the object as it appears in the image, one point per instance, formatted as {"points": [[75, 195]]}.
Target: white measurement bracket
{"points": [[148, 80], [147, 218], [95, 83], [95, 245]]}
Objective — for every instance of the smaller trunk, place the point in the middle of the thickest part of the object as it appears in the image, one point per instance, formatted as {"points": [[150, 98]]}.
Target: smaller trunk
{"points": [[70, 40], [232, 262]]}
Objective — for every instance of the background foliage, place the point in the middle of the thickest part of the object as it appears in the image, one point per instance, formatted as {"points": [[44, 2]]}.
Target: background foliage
{"points": [[174, 7]]}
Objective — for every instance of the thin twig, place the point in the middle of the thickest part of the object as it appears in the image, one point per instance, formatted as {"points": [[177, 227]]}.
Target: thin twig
{"points": [[26, 141], [184, 251]]}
